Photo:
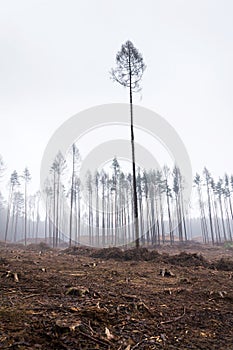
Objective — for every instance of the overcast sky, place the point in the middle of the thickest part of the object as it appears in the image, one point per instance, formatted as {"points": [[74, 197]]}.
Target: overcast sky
{"points": [[55, 60]]}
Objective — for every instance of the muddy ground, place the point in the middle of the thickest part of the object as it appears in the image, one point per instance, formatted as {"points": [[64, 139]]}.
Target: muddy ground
{"points": [[81, 298]]}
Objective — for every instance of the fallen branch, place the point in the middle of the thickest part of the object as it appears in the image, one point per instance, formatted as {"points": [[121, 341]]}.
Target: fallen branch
{"points": [[31, 296], [96, 340], [130, 297], [145, 307], [21, 343], [174, 319], [141, 342]]}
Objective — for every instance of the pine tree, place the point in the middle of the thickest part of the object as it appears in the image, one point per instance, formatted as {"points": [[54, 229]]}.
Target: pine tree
{"points": [[27, 178], [57, 170], [128, 72], [208, 179], [75, 163], [14, 183]]}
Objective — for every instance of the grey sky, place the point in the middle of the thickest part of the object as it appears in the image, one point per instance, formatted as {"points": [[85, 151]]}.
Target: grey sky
{"points": [[55, 58]]}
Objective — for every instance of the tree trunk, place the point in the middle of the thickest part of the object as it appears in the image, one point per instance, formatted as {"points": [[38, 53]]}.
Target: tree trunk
{"points": [[72, 196], [136, 225]]}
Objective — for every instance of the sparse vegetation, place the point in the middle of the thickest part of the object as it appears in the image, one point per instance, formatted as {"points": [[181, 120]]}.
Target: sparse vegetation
{"points": [[85, 298]]}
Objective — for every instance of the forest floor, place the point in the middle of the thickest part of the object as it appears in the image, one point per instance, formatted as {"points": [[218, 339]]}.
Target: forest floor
{"points": [[82, 298]]}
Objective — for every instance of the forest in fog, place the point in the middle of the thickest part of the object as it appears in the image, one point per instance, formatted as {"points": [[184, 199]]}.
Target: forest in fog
{"points": [[114, 207], [99, 212]]}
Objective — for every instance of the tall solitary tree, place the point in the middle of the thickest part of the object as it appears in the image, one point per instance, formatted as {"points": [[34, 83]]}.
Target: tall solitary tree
{"points": [[128, 72]]}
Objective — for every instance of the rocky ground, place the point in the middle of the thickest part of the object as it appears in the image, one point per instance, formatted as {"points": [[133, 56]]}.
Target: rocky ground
{"points": [[82, 298]]}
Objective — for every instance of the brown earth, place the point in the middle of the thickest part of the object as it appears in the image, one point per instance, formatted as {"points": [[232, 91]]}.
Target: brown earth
{"points": [[80, 298]]}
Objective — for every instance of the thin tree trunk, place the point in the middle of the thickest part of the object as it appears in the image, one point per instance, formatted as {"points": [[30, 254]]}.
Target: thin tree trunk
{"points": [[223, 223], [25, 215], [72, 196], [210, 213], [136, 225], [8, 212]]}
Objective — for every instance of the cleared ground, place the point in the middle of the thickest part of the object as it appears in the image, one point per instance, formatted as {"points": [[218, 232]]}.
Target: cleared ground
{"points": [[80, 298]]}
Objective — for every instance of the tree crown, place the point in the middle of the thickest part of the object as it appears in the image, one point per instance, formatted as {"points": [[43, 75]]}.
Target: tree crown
{"points": [[129, 66]]}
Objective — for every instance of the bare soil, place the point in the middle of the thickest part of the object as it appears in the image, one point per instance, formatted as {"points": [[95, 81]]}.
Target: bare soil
{"points": [[80, 298]]}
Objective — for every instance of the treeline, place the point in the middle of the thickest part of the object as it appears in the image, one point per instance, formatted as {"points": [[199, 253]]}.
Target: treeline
{"points": [[20, 218], [216, 214], [99, 209]]}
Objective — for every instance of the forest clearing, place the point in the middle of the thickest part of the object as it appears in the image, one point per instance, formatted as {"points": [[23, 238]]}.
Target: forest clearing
{"points": [[178, 297], [116, 175]]}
